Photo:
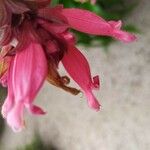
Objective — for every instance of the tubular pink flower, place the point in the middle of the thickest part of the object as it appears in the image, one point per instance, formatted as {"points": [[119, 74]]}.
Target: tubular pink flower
{"points": [[35, 39], [88, 22], [78, 68], [29, 71]]}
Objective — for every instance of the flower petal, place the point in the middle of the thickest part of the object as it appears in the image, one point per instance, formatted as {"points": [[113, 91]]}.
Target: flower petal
{"points": [[88, 22], [36, 110], [6, 36], [9, 101], [53, 27], [52, 14], [78, 68], [15, 117], [29, 72], [16, 7]]}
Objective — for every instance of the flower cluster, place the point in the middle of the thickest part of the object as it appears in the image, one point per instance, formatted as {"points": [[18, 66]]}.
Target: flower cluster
{"points": [[34, 39]]}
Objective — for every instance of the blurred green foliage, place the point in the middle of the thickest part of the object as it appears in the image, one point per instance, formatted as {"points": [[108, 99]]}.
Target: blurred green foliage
{"points": [[38, 144], [108, 9]]}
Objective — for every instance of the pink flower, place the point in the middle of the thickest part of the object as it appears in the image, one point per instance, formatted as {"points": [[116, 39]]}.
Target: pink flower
{"points": [[35, 39]]}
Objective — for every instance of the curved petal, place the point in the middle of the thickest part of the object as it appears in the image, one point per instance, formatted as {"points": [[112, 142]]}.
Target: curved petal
{"points": [[9, 101], [15, 117], [78, 68], [36, 110], [88, 22], [5, 14], [16, 7], [53, 27], [6, 36], [52, 14], [28, 74]]}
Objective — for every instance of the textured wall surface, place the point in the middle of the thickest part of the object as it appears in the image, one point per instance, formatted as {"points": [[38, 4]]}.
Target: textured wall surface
{"points": [[124, 120]]}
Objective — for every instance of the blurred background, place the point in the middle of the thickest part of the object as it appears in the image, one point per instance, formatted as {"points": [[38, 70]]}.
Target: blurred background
{"points": [[124, 120]]}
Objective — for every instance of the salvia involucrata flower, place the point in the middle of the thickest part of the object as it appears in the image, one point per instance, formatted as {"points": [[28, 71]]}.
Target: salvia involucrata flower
{"points": [[34, 39]]}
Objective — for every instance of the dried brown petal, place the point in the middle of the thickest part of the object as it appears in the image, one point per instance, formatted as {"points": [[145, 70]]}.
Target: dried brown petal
{"points": [[55, 79]]}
